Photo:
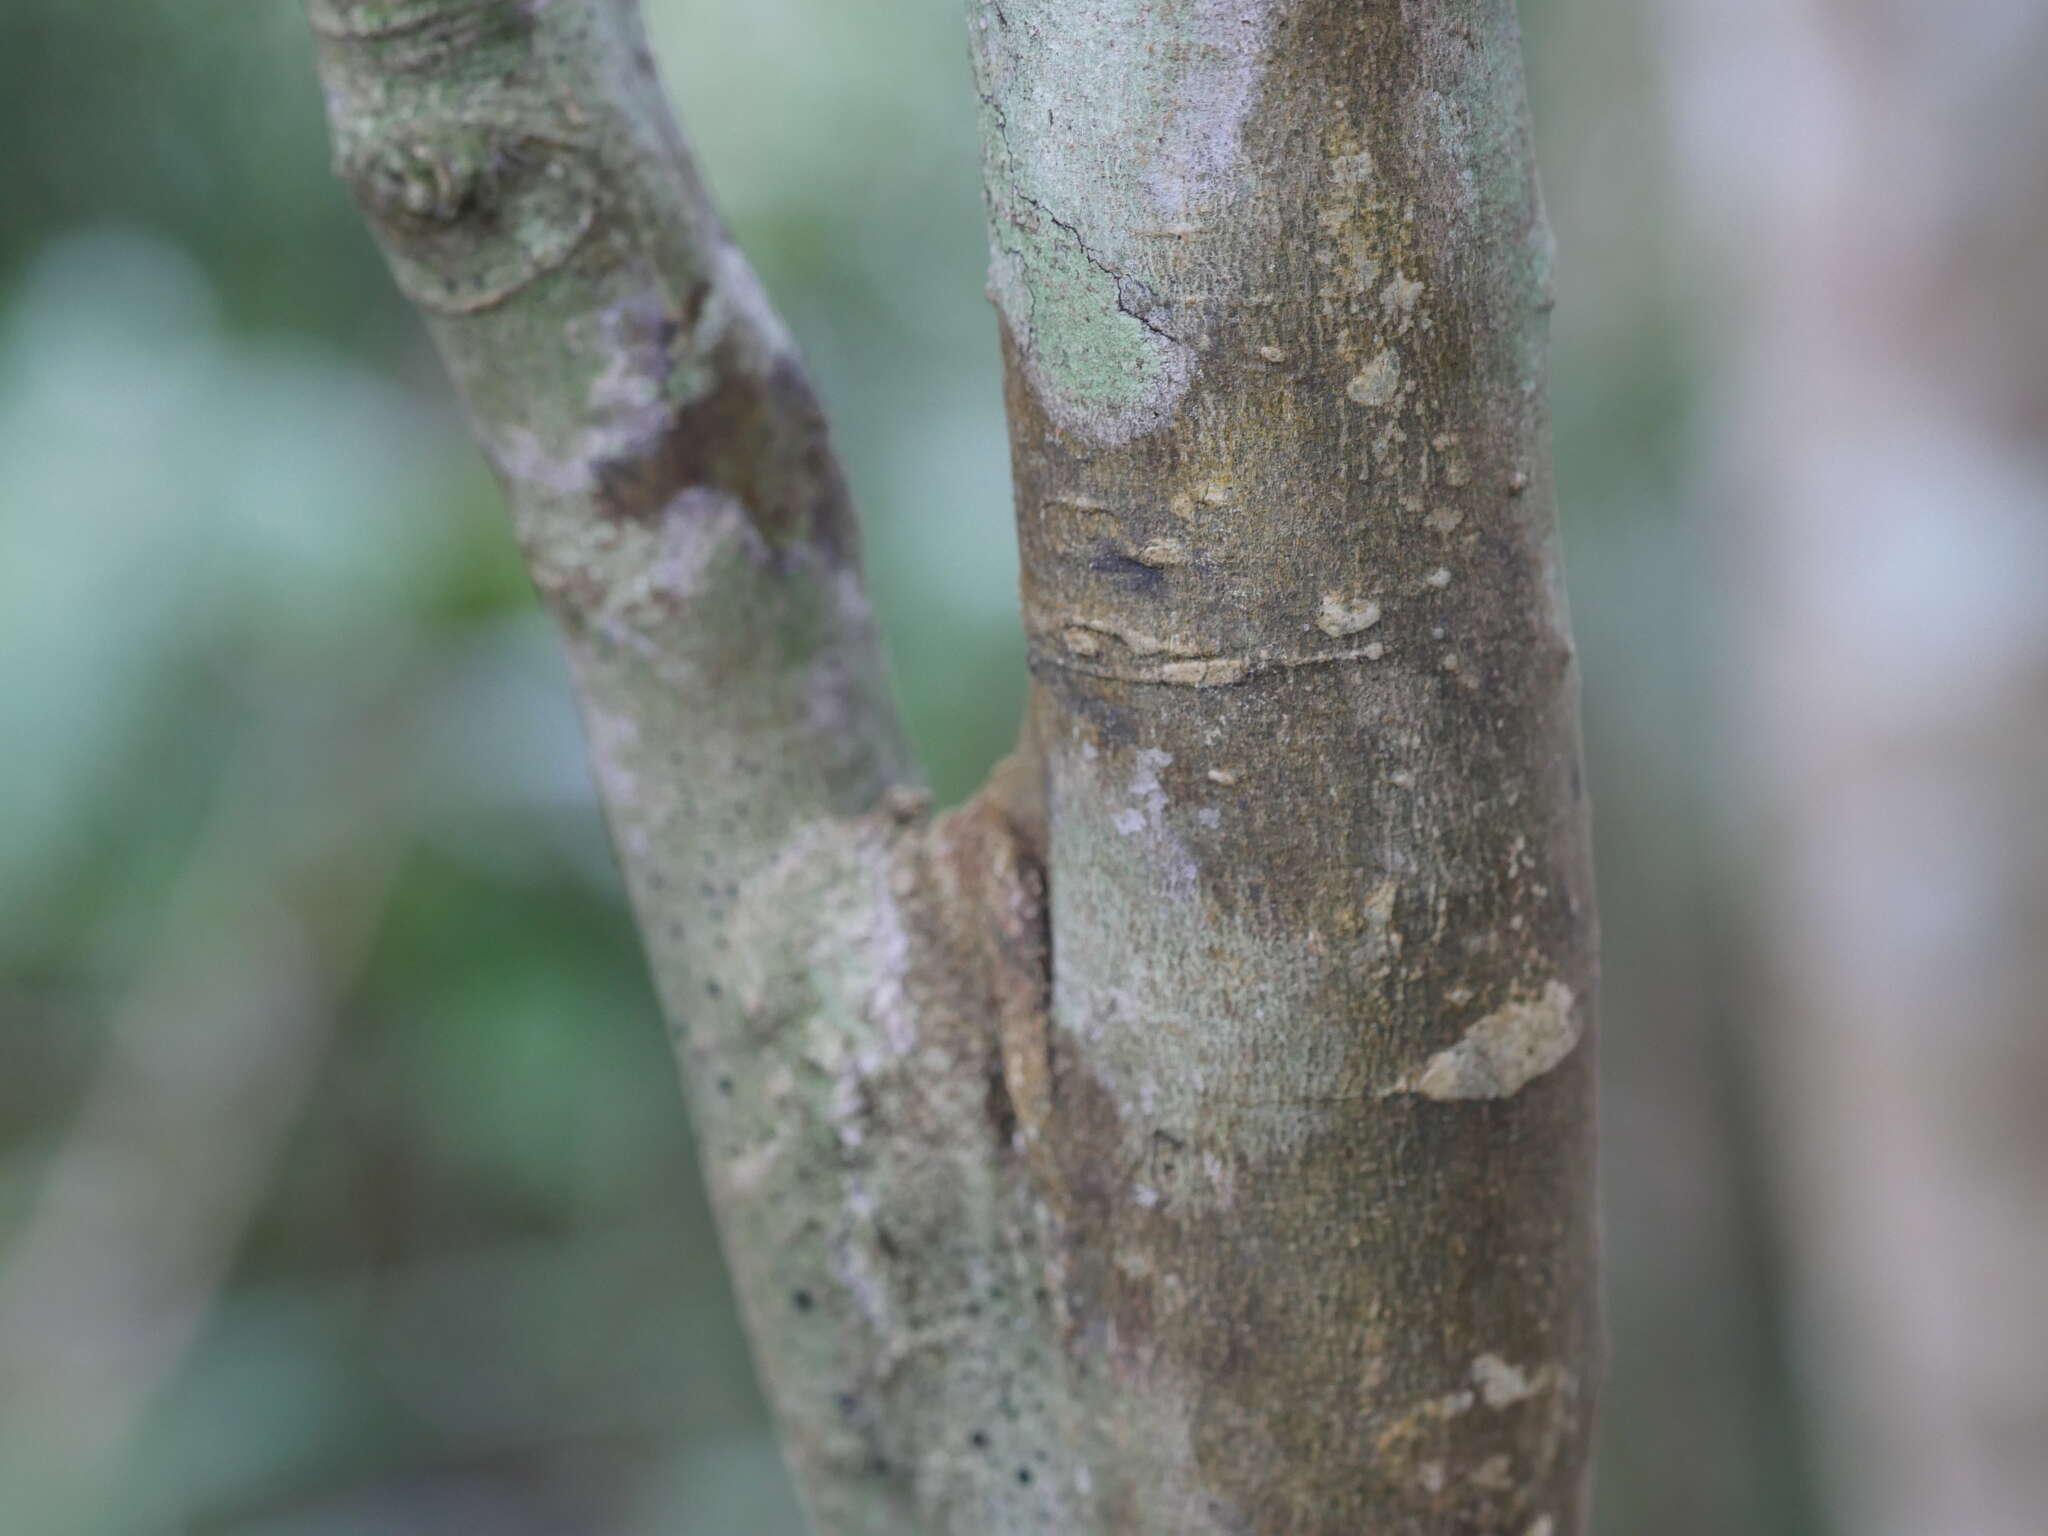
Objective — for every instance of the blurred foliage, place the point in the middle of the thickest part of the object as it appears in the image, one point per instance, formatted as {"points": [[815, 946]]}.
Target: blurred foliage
{"points": [[240, 525]]}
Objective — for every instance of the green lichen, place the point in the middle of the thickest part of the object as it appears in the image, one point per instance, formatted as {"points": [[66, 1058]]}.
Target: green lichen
{"points": [[1097, 360], [1094, 224]]}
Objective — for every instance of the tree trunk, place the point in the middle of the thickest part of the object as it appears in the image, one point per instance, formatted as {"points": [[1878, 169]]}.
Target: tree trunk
{"points": [[1194, 1132], [1889, 449]]}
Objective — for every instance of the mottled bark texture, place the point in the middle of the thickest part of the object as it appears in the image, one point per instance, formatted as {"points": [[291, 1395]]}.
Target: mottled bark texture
{"points": [[1887, 453], [1194, 1132]]}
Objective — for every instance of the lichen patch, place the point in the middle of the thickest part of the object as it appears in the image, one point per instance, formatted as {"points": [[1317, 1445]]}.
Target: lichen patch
{"points": [[1504, 1052], [1089, 291], [1378, 383], [1148, 793], [1502, 1384], [1352, 170], [1209, 672], [1401, 294], [1341, 615], [1163, 553]]}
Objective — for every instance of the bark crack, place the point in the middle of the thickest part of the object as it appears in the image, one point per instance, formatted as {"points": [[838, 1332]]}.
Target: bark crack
{"points": [[1120, 279], [1199, 670]]}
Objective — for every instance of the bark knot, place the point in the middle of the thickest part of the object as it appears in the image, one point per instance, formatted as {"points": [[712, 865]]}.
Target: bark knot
{"points": [[471, 211], [413, 35]]}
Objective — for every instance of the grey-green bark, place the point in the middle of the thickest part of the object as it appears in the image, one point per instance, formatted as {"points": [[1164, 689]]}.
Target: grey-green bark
{"points": [[1194, 1132]]}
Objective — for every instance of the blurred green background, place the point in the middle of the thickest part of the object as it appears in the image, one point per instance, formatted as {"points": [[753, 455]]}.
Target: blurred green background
{"points": [[344, 1183]]}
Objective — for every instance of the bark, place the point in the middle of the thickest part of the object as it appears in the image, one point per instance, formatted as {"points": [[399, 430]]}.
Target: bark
{"points": [[1887, 443], [1193, 1133]]}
